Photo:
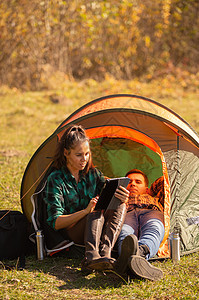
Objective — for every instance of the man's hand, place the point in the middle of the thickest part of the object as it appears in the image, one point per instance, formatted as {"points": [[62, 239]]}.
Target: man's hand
{"points": [[122, 194]]}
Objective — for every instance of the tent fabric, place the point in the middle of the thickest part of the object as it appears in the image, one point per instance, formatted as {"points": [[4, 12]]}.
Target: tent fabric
{"points": [[156, 129], [145, 105], [123, 132], [185, 207], [151, 130], [116, 156]]}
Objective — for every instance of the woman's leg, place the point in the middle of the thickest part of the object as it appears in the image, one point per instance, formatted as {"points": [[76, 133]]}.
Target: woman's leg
{"points": [[103, 228], [93, 231], [114, 219], [76, 232]]}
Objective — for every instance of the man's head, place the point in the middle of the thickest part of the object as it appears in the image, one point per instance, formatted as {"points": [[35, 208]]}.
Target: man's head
{"points": [[138, 184]]}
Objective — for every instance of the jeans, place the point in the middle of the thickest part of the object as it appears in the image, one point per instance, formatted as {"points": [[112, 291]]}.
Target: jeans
{"points": [[147, 225]]}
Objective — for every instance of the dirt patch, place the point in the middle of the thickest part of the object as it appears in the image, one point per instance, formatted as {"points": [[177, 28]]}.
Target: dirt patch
{"points": [[12, 153], [60, 99]]}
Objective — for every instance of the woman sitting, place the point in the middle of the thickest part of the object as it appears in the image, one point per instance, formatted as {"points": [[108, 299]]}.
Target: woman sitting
{"points": [[71, 194]]}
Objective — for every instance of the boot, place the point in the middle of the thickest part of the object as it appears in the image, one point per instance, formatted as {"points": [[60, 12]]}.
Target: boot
{"points": [[140, 267], [143, 251], [93, 230], [114, 221], [129, 248]]}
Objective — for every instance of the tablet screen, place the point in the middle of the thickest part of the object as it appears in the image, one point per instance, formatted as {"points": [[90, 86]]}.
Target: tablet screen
{"points": [[109, 190]]}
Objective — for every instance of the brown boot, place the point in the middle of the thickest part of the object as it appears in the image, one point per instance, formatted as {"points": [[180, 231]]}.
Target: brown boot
{"points": [[114, 216], [93, 230], [143, 251], [114, 221]]}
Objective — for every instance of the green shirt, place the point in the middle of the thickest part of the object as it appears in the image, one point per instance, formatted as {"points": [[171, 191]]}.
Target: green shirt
{"points": [[64, 195]]}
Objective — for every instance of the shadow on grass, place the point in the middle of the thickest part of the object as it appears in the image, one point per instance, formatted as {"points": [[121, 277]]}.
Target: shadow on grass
{"points": [[69, 271], [95, 280], [66, 267]]}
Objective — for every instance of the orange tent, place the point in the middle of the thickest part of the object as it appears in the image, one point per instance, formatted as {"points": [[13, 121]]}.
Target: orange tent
{"points": [[126, 132]]}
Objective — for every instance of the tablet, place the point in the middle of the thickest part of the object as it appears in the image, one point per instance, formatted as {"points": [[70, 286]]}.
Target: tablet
{"points": [[108, 191]]}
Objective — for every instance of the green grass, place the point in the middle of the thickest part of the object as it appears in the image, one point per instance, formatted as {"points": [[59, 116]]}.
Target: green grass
{"points": [[60, 277], [27, 119]]}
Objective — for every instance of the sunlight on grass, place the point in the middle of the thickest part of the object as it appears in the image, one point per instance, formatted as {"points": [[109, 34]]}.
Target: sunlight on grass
{"points": [[27, 119]]}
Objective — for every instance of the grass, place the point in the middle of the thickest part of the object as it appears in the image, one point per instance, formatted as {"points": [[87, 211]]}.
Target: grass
{"points": [[60, 277], [27, 119]]}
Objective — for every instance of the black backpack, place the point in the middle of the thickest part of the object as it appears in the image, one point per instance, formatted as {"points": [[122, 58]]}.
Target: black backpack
{"points": [[13, 234]]}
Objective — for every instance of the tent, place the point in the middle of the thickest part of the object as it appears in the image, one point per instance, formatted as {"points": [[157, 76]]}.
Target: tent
{"points": [[129, 131]]}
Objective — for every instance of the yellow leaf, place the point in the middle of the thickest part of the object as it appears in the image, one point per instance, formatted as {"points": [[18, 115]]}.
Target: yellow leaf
{"points": [[147, 41]]}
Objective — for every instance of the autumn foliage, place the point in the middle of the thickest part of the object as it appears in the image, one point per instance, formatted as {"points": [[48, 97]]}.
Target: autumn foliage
{"points": [[89, 39]]}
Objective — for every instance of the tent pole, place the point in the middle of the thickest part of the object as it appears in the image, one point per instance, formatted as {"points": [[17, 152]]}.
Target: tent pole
{"points": [[177, 196], [175, 236]]}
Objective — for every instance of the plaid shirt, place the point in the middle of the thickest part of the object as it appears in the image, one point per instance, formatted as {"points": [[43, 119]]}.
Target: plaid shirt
{"points": [[153, 200], [143, 201], [64, 195], [157, 190]]}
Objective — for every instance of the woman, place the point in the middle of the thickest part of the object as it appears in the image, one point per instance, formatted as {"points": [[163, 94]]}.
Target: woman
{"points": [[71, 195]]}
